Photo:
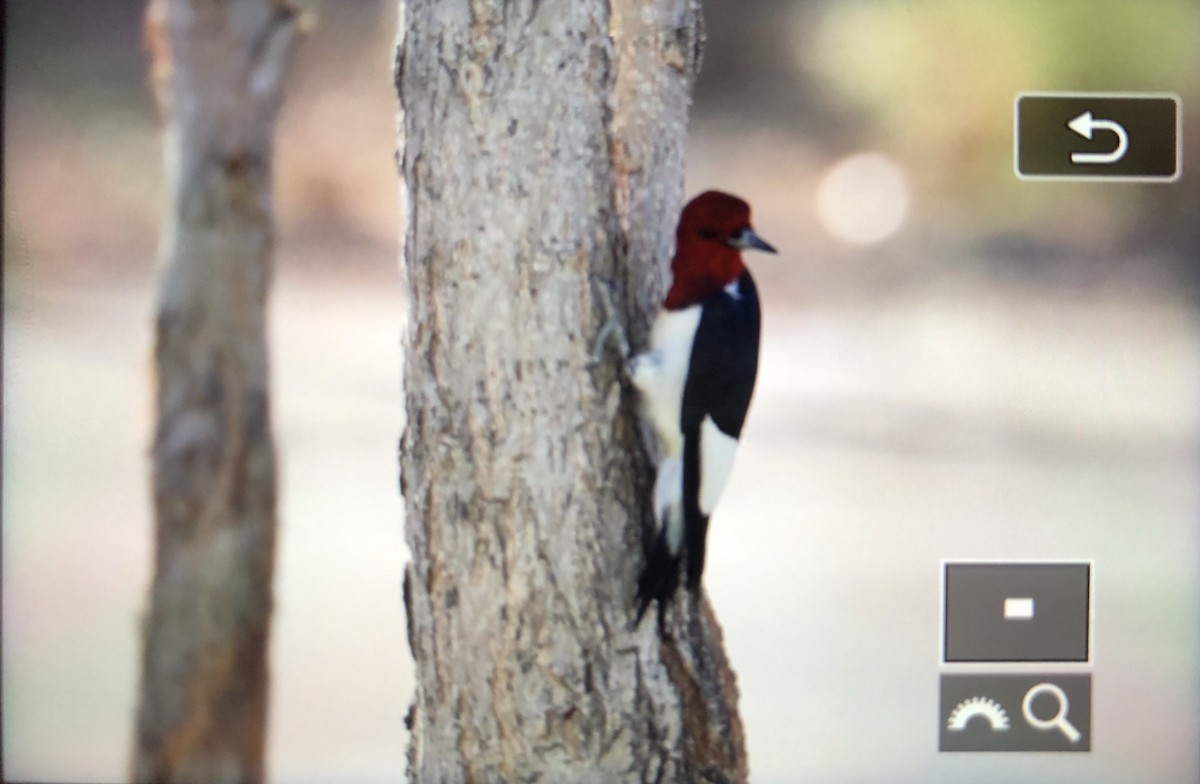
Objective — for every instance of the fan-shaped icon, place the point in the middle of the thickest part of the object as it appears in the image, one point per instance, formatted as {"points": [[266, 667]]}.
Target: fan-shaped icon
{"points": [[978, 706]]}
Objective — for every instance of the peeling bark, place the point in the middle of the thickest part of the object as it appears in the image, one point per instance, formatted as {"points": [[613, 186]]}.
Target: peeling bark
{"points": [[218, 70], [541, 147]]}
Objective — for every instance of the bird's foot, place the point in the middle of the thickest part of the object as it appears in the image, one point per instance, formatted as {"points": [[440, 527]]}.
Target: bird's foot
{"points": [[612, 332]]}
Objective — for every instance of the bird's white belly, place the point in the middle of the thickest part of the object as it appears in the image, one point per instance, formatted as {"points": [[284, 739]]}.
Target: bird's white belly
{"points": [[661, 372]]}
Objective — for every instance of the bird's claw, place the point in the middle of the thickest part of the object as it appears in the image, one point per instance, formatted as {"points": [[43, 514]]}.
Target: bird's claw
{"points": [[611, 331]]}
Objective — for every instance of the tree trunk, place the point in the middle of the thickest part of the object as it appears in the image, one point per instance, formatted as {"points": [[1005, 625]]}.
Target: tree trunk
{"points": [[218, 67], [541, 147]]}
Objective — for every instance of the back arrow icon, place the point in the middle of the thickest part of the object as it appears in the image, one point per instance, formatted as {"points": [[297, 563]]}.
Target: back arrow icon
{"points": [[1084, 125]]}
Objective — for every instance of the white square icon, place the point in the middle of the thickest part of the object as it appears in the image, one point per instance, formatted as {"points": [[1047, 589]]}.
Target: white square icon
{"points": [[1018, 609]]}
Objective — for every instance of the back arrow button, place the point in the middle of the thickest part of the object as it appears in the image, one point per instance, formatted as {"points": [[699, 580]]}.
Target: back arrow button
{"points": [[1085, 125]]}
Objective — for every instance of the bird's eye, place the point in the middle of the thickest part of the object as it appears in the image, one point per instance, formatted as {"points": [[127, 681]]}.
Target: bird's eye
{"points": [[708, 234]]}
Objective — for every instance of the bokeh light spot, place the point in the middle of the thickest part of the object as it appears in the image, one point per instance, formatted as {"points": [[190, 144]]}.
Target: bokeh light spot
{"points": [[863, 198]]}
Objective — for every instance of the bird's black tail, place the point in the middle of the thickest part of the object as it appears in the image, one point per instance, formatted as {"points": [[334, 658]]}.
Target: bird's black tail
{"points": [[695, 522], [695, 534], [660, 577]]}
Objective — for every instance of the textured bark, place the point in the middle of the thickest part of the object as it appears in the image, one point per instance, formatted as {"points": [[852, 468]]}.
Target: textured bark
{"points": [[218, 68], [541, 146]]}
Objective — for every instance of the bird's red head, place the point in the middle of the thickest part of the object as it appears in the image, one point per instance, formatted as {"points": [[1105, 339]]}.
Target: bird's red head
{"points": [[713, 230]]}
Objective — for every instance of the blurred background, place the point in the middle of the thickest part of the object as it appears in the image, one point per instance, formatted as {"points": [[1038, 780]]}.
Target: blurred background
{"points": [[956, 364]]}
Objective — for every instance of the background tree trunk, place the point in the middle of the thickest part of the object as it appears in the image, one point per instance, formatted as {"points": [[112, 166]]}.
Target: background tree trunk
{"points": [[542, 151], [218, 67]]}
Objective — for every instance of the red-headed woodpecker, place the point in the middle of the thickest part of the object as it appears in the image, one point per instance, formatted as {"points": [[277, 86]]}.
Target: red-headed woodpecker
{"points": [[696, 379]]}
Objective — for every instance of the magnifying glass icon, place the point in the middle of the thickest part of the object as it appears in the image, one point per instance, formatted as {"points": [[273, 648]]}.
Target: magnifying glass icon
{"points": [[1059, 720]]}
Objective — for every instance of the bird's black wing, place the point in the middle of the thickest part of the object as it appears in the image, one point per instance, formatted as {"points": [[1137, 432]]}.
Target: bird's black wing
{"points": [[724, 361], [720, 382]]}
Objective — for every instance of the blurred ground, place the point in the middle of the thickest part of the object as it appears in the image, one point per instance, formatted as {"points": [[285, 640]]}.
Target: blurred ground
{"points": [[955, 365]]}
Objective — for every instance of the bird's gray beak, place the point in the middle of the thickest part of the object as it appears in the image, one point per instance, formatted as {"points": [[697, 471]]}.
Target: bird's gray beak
{"points": [[748, 239]]}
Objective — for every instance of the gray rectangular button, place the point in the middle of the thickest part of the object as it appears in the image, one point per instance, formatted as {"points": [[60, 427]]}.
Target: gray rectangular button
{"points": [[1016, 612], [1019, 712]]}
